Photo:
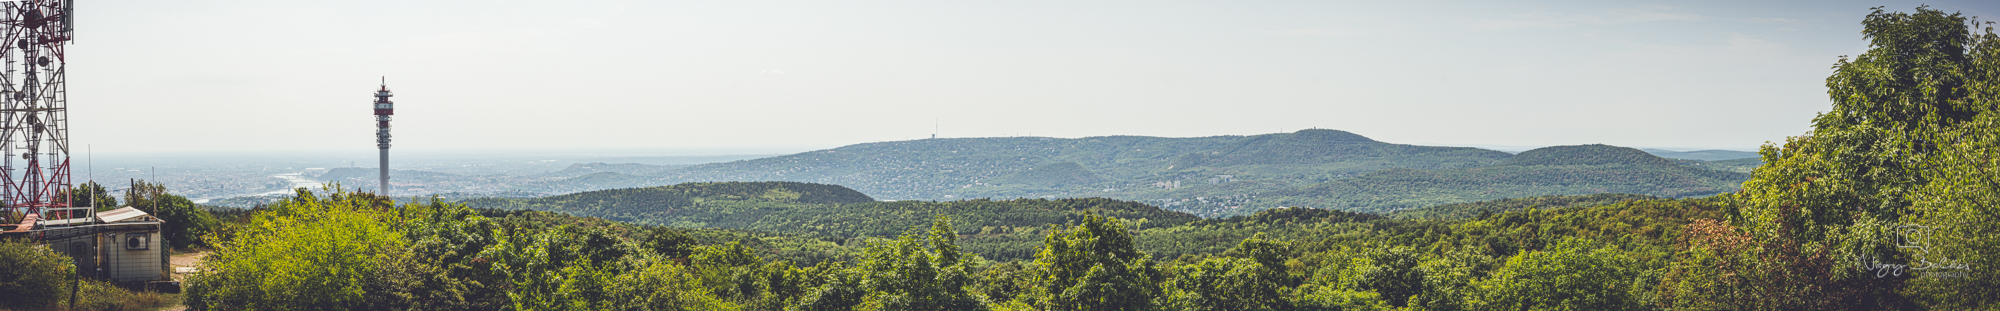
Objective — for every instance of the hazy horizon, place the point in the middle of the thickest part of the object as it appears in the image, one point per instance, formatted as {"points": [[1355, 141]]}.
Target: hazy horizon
{"points": [[425, 153], [149, 76]]}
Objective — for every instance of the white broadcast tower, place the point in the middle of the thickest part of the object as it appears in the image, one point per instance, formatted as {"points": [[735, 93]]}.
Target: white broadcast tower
{"points": [[383, 109]]}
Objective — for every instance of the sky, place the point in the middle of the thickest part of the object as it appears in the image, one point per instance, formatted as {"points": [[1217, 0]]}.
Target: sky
{"points": [[298, 76]]}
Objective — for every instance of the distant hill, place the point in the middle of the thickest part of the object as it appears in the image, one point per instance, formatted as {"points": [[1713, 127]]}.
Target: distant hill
{"points": [[1738, 165], [794, 207], [1316, 146], [1059, 174], [667, 198], [951, 168], [1207, 176], [1560, 170], [1470, 210], [1708, 155], [581, 169], [1157, 170], [1595, 154], [599, 180]]}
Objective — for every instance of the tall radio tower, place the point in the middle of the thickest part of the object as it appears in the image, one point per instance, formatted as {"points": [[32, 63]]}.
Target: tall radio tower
{"points": [[383, 109], [34, 121]]}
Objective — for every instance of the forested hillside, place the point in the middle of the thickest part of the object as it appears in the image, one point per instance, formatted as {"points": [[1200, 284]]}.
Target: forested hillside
{"points": [[1222, 175], [1470, 210], [1705, 155], [1206, 176], [1126, 167], [828, 210], [1562, 170]]}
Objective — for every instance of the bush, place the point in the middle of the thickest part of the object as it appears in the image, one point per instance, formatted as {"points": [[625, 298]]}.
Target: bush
{"points": [[35, 276], [95, 295], [304, 253]]}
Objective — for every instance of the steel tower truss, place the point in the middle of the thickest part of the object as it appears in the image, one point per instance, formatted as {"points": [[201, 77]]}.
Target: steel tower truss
{"points": [[34, 121]]}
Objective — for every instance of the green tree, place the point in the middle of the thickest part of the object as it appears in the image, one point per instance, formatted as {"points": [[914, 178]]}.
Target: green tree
{"points": [[1447, 280], [1002, 281], [1394, 274], [669, 242], [441, 269], [1956, 217], [35, 276], [663, 285], [308, 252], [1840, 193], [1254, 280], [184, 223], [1574, 275], [911, 274], [91, 194], [142, 195], [1094, 266]]}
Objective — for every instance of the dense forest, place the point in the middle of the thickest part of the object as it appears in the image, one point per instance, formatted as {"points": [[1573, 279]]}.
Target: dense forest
{"points": [[829, 211], [1565, 170], [1889, 203]]}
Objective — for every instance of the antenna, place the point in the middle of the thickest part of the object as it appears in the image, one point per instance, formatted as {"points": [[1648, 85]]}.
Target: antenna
{"points": [[90, 164]]}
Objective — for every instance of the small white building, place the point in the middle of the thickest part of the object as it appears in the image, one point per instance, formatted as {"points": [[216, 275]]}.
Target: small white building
{"points": [[121, 245]]}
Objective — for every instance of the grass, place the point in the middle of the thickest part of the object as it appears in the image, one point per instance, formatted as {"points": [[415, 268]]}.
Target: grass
{"points": [[96, 295]]}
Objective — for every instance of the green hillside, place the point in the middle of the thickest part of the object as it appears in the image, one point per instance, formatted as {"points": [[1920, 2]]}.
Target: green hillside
{"points": [[1205, 176], [791, 207], [1060, 174], [581, 169], [1314, 147], [1594, 154], [1744, 165], [1562, 170], [1705, 155], [1472, 210], [1201, 175], [661, 198]]}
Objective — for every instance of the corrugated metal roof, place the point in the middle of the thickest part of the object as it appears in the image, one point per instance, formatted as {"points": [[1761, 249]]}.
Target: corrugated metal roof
{"points": [[125, 214]]}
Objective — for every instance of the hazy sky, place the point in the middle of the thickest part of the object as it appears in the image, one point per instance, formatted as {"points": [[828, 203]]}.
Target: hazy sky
{"points": [[195, 75]]}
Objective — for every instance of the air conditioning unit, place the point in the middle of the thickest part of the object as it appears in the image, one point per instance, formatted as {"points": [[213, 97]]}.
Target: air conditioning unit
{"points": [[138, 241]]}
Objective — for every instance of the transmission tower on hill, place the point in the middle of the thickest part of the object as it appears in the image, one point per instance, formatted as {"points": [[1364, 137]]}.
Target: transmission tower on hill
{"points": [[34, 119], [383, 109]]}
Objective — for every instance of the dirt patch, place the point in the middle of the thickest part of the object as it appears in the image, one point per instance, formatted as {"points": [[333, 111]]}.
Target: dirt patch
{"points": [[185, 263]]}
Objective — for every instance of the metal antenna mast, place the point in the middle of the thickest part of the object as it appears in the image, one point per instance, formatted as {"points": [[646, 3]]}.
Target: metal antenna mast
{"points": [[34, 120], [383, 109]]}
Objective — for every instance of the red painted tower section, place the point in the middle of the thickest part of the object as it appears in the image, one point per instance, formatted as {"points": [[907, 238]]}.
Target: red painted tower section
{"points": [[34, 115], [383, 109]]}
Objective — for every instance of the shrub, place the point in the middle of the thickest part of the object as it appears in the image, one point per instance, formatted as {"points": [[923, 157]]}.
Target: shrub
{"points": [[35, 276]]}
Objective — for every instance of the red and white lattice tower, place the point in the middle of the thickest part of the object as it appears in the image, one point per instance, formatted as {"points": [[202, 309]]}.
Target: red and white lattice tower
{"points": [[34, 123]]}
